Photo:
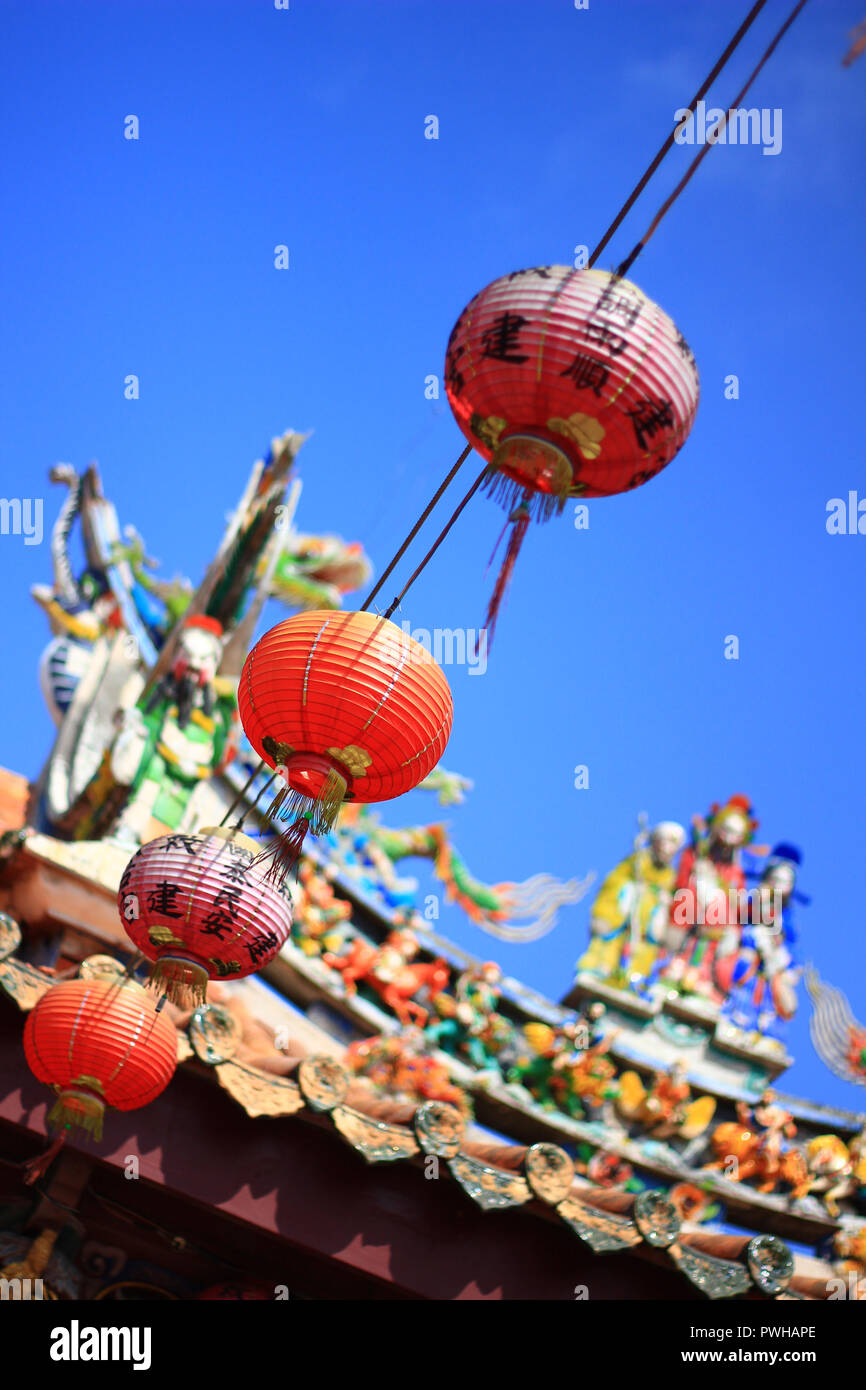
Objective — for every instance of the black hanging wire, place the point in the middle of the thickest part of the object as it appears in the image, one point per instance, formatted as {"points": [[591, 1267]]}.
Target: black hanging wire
{"points": [[416, 528], [716, 132], [439, 539], [621, 270], [668, 144], [629, 202]]}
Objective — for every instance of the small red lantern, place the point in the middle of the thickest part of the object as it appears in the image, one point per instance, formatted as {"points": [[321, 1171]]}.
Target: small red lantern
{"points": [[99, 1043], [197, 907], [572, 384], [349, 707]]}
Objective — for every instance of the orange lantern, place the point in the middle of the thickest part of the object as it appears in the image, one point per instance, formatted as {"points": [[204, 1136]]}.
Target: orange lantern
{"points": [[99, 1043], [572, 384], [348, 707]]}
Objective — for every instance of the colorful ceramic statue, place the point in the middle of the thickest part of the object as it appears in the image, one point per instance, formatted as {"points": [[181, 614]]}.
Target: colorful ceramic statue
{"points": [[401, 1067], [175, 738], [706, 912], [756, 1144], [850, 1247], [172, 596], [479, 987], [693, 1203], [318, 914], [591, 1023], [773, 1123], [317, 571], [629, 917], [761, 976], [450, 787], [667, 1108], [588, 1081], [839, 1168], [104, 597], [560, 1073], [390, 971], [468, 1023], [544, 1051], [606, 1169], [129, 648]]}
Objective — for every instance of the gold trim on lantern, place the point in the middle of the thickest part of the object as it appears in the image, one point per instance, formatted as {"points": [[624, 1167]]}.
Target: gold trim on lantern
{"points": [[583, 430], [78, 1110], [356, 759], [184, 981]]}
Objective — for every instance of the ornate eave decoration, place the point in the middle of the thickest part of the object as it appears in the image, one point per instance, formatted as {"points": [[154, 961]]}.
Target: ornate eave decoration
{"points": [[545, 1172]]}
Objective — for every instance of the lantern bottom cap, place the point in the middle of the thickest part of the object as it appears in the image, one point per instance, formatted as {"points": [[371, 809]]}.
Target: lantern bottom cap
{"points": [[533, 470], [182, 980], [312, 775], [77, 1110]]}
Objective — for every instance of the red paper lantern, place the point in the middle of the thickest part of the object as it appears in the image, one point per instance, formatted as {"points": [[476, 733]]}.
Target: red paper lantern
{"points": [[99, 1043], [572, 384], [197, 906], [349, 706]]}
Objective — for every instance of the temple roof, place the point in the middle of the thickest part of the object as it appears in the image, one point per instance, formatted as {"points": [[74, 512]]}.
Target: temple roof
{"points": [[274, 1060], [317, 1092]]}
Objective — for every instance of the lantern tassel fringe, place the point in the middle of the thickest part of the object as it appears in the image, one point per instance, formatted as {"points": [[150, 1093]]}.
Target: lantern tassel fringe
{"points": [[74, 1111], [183, 982], [509, 494], [519, 520], [37, 1167], [307, 813]]}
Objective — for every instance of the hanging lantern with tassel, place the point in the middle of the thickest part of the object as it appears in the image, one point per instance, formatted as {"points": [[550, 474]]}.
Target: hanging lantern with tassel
{"points": [[199, 909], [573, 385], [99, 1043], [348, 707]]}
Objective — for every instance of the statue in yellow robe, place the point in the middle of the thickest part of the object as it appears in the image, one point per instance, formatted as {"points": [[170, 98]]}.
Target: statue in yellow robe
{"points": [[630, 914]]}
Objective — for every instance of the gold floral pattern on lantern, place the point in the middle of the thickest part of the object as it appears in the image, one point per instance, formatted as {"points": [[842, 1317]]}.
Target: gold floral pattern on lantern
{"points": [[356, 759], [488, 430], [583, 430]]}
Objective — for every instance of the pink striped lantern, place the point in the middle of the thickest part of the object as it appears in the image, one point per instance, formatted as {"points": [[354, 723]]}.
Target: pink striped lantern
{"points": [[200, 909], [572, 384]]}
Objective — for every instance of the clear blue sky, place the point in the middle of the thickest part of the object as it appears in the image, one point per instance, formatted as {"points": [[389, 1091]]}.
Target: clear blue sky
{"points": [[306, 127]]}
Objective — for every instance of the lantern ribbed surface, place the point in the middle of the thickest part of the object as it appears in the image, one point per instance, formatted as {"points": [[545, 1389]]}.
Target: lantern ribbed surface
{"points": [[571, 382], [348, 696], [198, 907], [99, 1043]]}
